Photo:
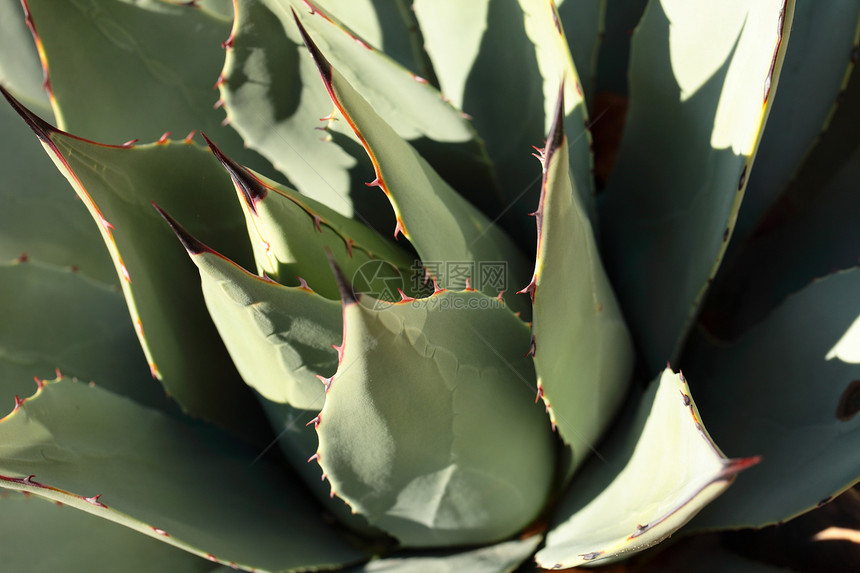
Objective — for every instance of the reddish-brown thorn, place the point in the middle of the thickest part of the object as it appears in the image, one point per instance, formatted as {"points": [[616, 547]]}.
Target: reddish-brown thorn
{"points": [[18, 402], [95, 500], [41, 383], [315, 422], [190, 137], [163, 138], [303, 284], [405, 297], [129, 143], [218, 104], [314, 458]]}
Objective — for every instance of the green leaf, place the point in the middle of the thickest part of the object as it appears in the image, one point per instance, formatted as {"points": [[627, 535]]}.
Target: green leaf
{"points": [[39, 215], [429, 427], [817, 63], [282, 341], [150, 64], [275, 101], [473, 50], [582, 350], [787, 390], [54, 318], [448, 233], [389, 26], [501, 558], [809, 233], [43, 537], [20, 68], [118, 184], [291, 235], [103, 454], [702, 82], [280, 338], [658, 469]]}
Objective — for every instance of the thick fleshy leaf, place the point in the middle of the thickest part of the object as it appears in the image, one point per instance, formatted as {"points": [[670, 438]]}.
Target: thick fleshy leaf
{"points": [[502, 558], [582, 350], [282, 341], [117, 184], [274, 100], [389, 26], [103, 454], [810, 233], [457, 244], [429, 427], [818, 59], [787, 390], [702, 82], [54, 318], [659, 468], [280, 338], [44, 537], [157, 63], [292, 234], [20, 68], [39, 215], [473, 49]]}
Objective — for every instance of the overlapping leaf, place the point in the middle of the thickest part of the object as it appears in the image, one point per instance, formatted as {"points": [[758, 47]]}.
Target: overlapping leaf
{"points": [[275, 101], [429, 429], [817, 63], [139, 81], [473, 49], [117, 184], [94, 451], [54, 318], [292, 234], [582, 350], [787, 390], [452, 238], [699, 97], [658, 469]]}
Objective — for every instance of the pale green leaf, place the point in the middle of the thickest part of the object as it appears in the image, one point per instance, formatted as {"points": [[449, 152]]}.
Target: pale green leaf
{"points": [[430, 429], [702, 79], [658, 470], [582, 350], [788, 391]]}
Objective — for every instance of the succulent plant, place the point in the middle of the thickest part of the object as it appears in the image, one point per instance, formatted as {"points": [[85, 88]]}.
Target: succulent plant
{"points": [[472, 393]]}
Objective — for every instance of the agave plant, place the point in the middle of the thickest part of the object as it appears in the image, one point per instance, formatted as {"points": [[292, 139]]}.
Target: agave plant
{"points": [[472, 393]]}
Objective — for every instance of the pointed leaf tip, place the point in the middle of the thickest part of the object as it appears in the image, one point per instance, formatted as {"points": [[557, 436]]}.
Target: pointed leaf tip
{"points": [[251, 187], [347, 292], [323, 65], [40, 127], [192, 245]]}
